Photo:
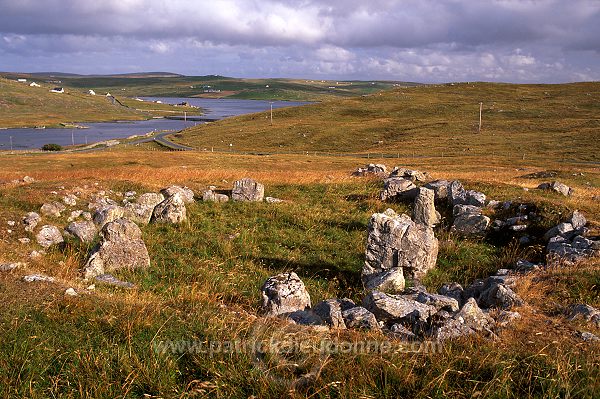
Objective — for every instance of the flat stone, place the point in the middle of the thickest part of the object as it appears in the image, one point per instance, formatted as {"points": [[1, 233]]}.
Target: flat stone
{"points": [[360, 318], [38, 278], [395, 308]]}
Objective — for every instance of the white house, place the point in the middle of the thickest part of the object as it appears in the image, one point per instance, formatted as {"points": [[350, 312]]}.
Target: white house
{"points": [[91, 92], [57, 90], [33, 84], [22, 80]]}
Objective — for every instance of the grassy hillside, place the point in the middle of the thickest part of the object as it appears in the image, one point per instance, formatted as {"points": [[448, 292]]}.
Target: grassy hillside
{"points": [[25, 106], [224, 87], [558, 121], [204, 282]]}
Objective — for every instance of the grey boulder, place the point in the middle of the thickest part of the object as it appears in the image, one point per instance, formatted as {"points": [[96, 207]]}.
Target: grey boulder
{"points": [[284, 293], [171, 210], [247, 190], [398, 188], [85, 231], [49, 236], [187, 195]]}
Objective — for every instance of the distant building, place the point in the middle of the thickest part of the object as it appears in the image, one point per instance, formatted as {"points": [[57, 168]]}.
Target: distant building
{"points": [[91, 92], [57, 90], [22, 80], [33, 84], [108, 95]]}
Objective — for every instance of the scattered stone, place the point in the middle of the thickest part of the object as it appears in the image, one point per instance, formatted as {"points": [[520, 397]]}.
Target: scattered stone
{"points": [[85, 231], [248, 190], [36, 254], [330, 311], [187, 195], [452, 290], [108, 214], [378, 170], [38, 278], [305, 318], [211, 196], [360, 318], [11, 223], [87, 215], [561, 249], [24, 240], [545, 174], [577, 220], [439, 302], [398, 189], [109, 279], [499, 296], [122, 247], [562, 229], [52, 209], [284, 293], [49, 236], [74, 215], [130, 194], [28, 180], [440, 188], [171, 210], [424, 209], [408, 174], [399, 331], [273, 200], [468, 220], [391, 281], [396, 308], [397, 242], [585, 312], [469, 320], [70, 200], [7, 267], [589, 337], [459, 196], [558, 187], [71, 292], [505, 317]]}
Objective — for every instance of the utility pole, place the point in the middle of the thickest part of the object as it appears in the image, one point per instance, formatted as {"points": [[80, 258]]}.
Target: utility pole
{"points": [[184, 116], [11, 146], [271, 113], [72, 137], [480, 110]]}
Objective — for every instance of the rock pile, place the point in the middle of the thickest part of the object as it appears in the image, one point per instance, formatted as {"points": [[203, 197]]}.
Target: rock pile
{"points": [[567, 241], [372, 169], [557, 187]]}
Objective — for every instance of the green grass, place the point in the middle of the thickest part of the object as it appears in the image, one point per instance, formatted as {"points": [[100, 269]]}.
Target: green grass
{"points": [[25, 106], [519, 122]]}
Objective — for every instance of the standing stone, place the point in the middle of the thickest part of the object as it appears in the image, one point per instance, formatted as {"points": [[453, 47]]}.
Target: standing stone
{"points": [[396, 242], [85, 231], [187, 195], [247, 190], [577, 220], [31, 220], [49, 236], [171, 210], [122, 247], [424, 210], [284, 293]]}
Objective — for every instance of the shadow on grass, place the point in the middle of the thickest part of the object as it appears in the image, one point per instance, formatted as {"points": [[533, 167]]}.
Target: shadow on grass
{"points": [[348, 279]]}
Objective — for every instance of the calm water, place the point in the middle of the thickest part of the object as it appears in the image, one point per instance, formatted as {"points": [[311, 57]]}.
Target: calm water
{"points": [[214, 108]]}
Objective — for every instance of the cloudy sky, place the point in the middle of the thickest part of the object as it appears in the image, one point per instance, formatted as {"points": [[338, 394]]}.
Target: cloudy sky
{"points": [[412, 40]]}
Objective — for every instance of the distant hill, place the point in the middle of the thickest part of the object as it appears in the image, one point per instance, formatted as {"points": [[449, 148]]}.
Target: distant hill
{"points": [[166, 84]]}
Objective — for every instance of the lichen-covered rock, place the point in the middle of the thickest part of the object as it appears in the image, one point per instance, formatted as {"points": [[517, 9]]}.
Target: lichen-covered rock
{"points": [[187, 195], [398, 188], [70, 200], [557, 187], [49, 236], [408, 174], [396, 308], [499, 296], [138, 213], [122, 247], [31, 220], [459, 196], [378, 170], [52, 209], [360, 318], [284, 293], [248, 190], [85, 231], [469, 320], [561, 249], [107, 214], [391, 281], [565, 230], [171, 210], [395, 241], [150, 199], [468, 220], [585, 312], [211, 196], [440, 188], [424, 209]]}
